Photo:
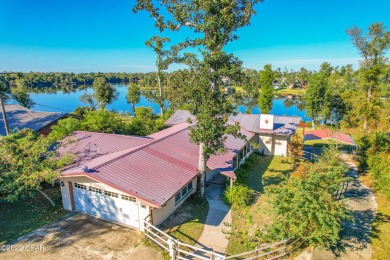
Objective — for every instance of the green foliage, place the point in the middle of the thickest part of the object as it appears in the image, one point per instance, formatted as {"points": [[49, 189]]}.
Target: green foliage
{"points": [[295, 148], [215, 24], [375, 154], [20, 94], [372, 47], [145, 123], [305, 207], [26, 162], [243, 171], [133, 95], [4, 88], [238, 196], [104, 121], [267, 77], [103, 92]]}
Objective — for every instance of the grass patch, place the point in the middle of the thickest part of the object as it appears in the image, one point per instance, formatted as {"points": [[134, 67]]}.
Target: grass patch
{"points": [[327, 142], [287, 91], [187, 222], [380, 238], [21, 217], [248, 223]]}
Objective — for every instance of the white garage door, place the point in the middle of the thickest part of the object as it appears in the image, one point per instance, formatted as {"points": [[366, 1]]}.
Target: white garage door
{"points": [[106, 204]]}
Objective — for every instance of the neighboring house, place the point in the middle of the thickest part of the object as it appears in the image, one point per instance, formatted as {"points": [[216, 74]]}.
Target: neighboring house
{"points": [[128, 179], [20, 117]]}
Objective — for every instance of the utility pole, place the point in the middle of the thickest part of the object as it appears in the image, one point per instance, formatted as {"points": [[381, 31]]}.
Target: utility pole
{"points": [[4, 116]]}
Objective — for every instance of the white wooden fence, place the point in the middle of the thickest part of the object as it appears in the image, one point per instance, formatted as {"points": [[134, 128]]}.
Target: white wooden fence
{"points": [[179, 250]]}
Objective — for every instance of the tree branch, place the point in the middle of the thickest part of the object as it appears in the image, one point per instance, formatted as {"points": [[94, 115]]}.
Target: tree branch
{"points": [[47, 197]]}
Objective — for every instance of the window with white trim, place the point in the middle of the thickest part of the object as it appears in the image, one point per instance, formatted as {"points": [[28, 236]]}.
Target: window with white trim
{"points": [[129, 198], [183, 192], [80, 186]]}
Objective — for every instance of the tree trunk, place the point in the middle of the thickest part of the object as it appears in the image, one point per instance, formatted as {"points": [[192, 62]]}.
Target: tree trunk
{"points": [[160, 90], [201, 170], [365, 120], [133, 107], [313, 124], [4, 117]]}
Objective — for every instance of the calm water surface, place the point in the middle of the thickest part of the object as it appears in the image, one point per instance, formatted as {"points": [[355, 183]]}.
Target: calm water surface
{"points": [[67, 102]]}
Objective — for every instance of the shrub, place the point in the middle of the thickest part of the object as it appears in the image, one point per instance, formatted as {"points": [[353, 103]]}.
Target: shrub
{"points": [[238, 196], [305, 207]]}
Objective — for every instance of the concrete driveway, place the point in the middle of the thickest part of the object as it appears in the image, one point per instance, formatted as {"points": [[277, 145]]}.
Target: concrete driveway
{"points": [[78, 236]]}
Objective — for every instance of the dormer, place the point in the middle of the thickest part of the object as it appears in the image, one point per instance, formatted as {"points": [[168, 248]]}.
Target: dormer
{"points": [[266, 121]]}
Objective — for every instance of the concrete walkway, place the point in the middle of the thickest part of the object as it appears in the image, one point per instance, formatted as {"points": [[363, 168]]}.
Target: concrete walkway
{"points": [[355, 240], [213, 236]]}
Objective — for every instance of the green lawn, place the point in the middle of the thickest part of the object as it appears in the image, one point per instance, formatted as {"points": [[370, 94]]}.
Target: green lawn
{"points": [[248, 223], [326, 142], [187, 222], [18, 218], [287, 91]]}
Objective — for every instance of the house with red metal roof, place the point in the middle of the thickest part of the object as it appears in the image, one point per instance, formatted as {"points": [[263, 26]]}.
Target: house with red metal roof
{"points": [[128, 179]]}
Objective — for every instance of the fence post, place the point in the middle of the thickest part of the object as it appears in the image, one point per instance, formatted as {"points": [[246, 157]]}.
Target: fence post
{"points": [[171, 244], [212, 254], [256, 252], [177, 248]]}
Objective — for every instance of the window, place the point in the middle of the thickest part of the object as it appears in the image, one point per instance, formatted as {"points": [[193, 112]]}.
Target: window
{"points": [[177, 197], [111, 194], [183, 192], [95, 190], [129, 198], [189, 186], [80, 186]]}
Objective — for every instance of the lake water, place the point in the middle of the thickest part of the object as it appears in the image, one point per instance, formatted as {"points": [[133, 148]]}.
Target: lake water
{"points": [[67, 102]]}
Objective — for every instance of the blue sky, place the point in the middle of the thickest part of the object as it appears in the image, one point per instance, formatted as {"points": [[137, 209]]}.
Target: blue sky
{"points": [[101, 35]]}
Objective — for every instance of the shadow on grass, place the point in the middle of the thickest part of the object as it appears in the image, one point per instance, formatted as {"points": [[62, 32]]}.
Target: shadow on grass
{"points": [[257, 181], [187, 222]]}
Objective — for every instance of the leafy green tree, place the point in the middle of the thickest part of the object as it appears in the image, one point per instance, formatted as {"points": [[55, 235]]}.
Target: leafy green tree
{"points": [[133, 95], [90, 100], [313, 97], [64, 128], [27, 162], [21, 95], [267, 77], [372, 47], [103, 92], [305, 206], [145, 123], [214, 24], [162, 63], [103, 121]]}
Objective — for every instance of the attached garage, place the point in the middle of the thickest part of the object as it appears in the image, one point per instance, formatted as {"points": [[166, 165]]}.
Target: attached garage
{"points": [[103, 202]]}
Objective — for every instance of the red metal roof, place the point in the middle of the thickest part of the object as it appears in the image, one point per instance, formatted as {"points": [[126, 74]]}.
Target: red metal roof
{"points": [[328, 134], [152, 168], [283, 125], [179, 117]]}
